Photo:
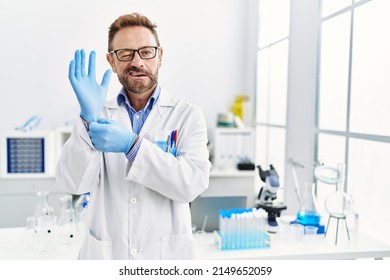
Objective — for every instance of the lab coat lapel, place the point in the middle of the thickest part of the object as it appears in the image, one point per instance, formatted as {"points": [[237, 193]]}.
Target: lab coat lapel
{"points": [[118, 113], [155, 116]]}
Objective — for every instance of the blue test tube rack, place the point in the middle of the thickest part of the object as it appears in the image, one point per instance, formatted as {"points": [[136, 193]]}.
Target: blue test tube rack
{"points": [[242, 228]]}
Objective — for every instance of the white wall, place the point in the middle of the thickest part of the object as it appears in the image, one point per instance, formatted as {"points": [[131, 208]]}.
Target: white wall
{"points": [[209, 56]]}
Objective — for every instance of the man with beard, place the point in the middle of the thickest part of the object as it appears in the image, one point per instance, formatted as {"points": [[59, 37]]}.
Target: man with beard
{"points": [[142, 156]]}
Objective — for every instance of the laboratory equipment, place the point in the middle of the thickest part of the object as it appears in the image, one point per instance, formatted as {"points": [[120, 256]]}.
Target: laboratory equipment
{"points": [[68, 231], [42, 207], [30, 236], [242, 228], [30, 124], [46, 222], [267, 196], [225, 120], [67, 226], [47, 230], [28, 154], [338, 204], [308, 214], [66, 203], [232, 145]]}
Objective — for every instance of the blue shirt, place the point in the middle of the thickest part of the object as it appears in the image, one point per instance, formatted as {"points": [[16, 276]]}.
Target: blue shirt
{"points": [[137, 118]]}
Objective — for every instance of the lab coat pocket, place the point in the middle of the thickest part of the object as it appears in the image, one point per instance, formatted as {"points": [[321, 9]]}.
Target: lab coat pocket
{"points": [[179, 246], [94, 249], [167, 140]]}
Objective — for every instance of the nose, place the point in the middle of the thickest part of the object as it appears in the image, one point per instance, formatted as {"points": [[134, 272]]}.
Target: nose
{"points": [[137, 60]]}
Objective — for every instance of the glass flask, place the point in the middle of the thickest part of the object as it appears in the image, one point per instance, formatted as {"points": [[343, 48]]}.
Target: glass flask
{"points": [[67, 221], [339, 204], [42, 206], [67, 203], [68, 231], [30, 235], [308, 214], [47, 230]]}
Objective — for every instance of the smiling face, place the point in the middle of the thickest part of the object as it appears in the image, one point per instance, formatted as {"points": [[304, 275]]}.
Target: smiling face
{"points": [[138, 76]]}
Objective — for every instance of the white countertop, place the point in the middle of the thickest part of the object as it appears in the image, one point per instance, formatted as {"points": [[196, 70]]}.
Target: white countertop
{"points": [[360, 245], [310, 247]]}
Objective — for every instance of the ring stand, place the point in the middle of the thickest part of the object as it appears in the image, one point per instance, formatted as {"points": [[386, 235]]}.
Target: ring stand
{"points": [[338, 217]]}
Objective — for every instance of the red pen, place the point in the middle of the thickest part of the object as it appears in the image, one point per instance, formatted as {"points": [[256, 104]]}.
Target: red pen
{"points": [[175, 137]]}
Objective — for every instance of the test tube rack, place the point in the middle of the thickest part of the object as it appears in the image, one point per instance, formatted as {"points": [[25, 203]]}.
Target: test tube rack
{"points": [[242, 229]]}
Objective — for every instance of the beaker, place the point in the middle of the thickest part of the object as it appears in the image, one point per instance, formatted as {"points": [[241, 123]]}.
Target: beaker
{"points": [[308, 214]]}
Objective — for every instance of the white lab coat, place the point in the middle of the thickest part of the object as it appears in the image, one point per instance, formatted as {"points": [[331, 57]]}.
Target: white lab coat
{"points": [[140, 210]]}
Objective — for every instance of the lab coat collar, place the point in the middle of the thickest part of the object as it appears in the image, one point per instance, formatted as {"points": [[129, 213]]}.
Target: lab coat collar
{"points": [[164, 100]]}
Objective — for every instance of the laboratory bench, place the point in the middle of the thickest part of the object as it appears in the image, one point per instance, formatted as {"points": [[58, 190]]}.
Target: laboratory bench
{"points": [[360, 246]]}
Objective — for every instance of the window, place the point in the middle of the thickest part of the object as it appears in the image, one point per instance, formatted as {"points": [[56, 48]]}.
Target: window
{"points": [[272, 69], [353, 101], [323, 83]]}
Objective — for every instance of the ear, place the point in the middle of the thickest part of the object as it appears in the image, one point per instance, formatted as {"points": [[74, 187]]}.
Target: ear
{"points": [[160, 55], [111, 60]]}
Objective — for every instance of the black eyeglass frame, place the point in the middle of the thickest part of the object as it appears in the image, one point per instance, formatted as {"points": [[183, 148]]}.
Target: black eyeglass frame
{"points": [[134, 51]]}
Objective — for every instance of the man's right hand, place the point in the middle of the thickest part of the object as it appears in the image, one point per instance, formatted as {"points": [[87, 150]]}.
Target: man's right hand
{"points": [[90, 95]]}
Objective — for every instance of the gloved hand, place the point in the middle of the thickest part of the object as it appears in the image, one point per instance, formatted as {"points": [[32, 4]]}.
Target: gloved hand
{"points": [[111, 136], [90, 95]]}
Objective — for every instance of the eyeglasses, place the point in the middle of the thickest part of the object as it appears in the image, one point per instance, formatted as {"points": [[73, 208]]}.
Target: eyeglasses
{"points": [[128, 54]]}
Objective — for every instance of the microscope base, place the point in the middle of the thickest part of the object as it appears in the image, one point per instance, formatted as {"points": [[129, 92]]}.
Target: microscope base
{"points": [[273, 211]]}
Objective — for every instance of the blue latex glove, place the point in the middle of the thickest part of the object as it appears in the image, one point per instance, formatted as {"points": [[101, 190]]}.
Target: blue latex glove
{"points": [[90, 95], [111, 136]]}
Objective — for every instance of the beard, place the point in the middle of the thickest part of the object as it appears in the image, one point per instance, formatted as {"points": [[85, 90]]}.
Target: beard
{"points": [[138, 87]]}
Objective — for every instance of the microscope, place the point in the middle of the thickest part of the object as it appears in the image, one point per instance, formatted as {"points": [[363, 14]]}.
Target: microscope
{"points": [[267, 195]]}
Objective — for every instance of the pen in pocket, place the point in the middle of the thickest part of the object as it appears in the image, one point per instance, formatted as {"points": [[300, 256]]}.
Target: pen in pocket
{"points": [[168, 143]]}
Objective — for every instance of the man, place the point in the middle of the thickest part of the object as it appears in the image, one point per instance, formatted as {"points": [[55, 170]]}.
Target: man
{"points": [[140, 186]]}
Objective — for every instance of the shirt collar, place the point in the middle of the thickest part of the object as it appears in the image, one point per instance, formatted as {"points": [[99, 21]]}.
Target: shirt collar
{"points": [[122, 98]]}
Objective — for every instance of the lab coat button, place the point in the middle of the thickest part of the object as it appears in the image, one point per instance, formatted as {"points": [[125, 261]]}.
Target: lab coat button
{"points": [[134, 252], [133, 200]]}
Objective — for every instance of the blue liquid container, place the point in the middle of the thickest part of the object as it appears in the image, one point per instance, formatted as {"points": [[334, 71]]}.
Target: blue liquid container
{"points": [[308, 218]]}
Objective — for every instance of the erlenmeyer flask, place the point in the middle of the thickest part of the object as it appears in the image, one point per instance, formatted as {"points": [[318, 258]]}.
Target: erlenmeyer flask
{"points": [[66, 201], [308, 214], [68, 231], [43, 206], [47, 227], [67, 220]]}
